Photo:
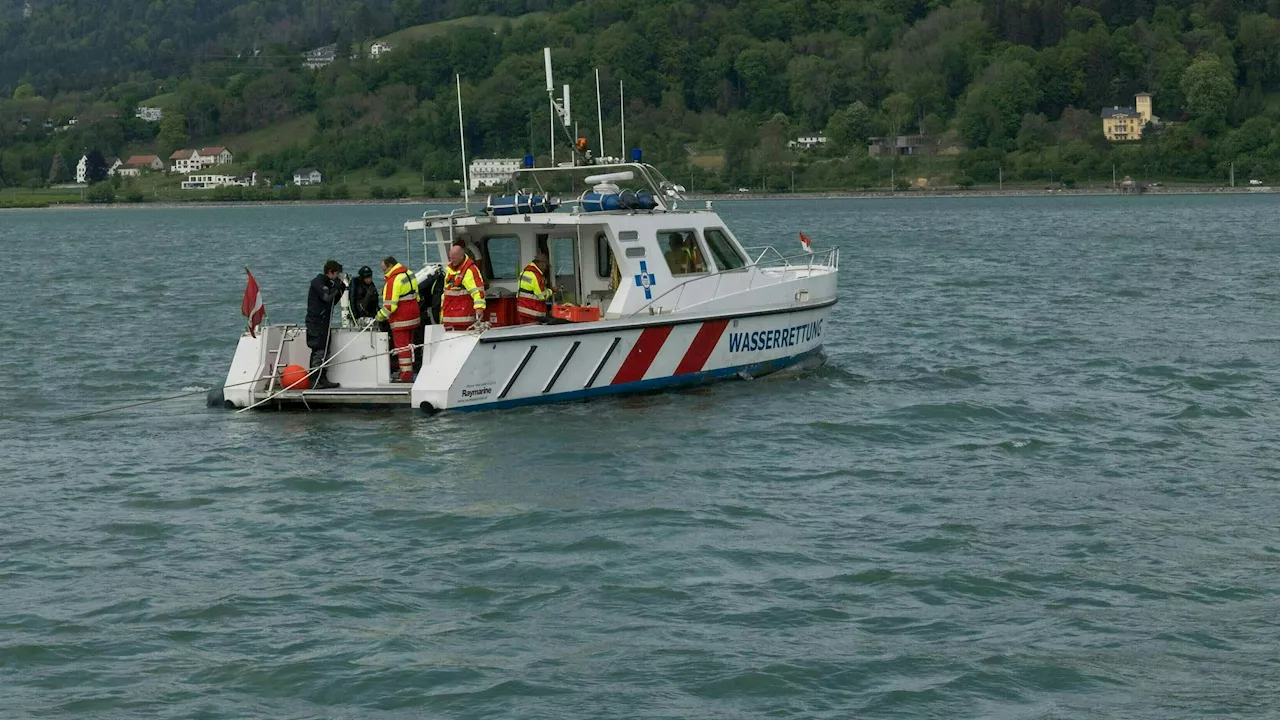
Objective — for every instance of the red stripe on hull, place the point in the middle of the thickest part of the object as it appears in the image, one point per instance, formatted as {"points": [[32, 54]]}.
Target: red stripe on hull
{"points": [[642, 354], [701, 347]]}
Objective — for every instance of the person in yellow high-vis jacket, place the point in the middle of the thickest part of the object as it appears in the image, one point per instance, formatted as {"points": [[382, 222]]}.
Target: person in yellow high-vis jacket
{"points": [[463, 304], [531, 301], [400, 309]]}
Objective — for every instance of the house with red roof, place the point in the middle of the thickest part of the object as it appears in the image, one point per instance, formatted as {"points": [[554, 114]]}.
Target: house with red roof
{"points": [[189, 161]]}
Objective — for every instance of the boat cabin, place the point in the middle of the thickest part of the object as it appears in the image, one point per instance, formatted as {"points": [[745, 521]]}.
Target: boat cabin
{"points": [[611, 254]]}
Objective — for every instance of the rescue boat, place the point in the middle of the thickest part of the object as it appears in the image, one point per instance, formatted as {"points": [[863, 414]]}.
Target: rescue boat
{"points": [[634, 311]]}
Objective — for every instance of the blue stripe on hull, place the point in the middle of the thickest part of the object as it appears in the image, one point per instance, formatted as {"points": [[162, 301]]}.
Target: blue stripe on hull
{"points": [[662, 383]]}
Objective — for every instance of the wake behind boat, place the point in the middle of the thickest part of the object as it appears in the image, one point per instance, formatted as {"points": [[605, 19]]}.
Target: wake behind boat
{"points": [[652, 295]]}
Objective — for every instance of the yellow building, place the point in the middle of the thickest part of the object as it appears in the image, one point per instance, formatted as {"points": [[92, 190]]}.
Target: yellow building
{"points": [[1125, 123]]}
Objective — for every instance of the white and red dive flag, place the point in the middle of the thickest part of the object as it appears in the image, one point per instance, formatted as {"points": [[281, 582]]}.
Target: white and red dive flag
{"points": [[808, 247], [251, 306]]}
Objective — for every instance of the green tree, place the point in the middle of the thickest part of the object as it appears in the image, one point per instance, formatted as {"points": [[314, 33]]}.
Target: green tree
{"points": [[759, 67], [24, 92], [1035, 132], [849, 127], [812, 89], [899, 109], [173, 132], [1258, 36], [1209, 88], [100, 193], [95, 167], [995, 105]]}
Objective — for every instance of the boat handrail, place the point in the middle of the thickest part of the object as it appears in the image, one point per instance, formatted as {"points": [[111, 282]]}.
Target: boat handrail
{"points": [[780, 260], [428, 217], [830, 260], [662, 189]]}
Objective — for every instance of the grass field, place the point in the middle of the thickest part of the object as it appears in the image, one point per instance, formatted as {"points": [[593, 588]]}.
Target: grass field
{"points": [[276, 137], [165, 101], [708, 162], [41, 197], [430, 30], [246, 146]]}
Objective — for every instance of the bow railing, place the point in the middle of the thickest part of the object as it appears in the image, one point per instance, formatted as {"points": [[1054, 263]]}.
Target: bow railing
{"points": [[762, 270]]}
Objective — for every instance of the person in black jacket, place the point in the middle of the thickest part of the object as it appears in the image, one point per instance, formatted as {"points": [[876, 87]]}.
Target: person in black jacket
{"points": [[325, 292], [430, 292], [365, 299]]}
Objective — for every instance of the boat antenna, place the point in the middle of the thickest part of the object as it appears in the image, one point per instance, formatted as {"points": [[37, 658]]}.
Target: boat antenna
{"points": [[551, 100], [462, 143], [558, 108], [622, 109], [599, 114]]}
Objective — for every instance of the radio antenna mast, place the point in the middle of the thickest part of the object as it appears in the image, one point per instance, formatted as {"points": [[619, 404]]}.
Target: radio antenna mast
{"points": [[557, 108], [599, 115], [462, 143], [551, 100]]}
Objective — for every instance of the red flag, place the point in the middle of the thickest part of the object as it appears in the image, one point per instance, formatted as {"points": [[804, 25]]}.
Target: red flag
{"points": [[805, 242], [251, 306]]}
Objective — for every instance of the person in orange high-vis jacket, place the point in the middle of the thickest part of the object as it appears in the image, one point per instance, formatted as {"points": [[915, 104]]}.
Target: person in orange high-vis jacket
{"points": [[531, 301], [463, 303], [400, 309]]}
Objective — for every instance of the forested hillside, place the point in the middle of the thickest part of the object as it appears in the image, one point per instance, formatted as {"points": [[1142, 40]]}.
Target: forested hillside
{"points": [[65, 45], [713, 90]]}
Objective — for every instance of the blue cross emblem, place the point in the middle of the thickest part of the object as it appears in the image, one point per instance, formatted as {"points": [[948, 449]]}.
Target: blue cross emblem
{"points": [[646, 280]]}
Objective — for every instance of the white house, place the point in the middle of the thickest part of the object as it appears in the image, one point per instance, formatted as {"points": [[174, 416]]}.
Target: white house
{"points": [[806, 142], [150, 114], [307, 176], [144, 162], [184, 161], [134, 166], [207, 182], [82, 168], [216, 155], [378, 49], [492, 171], [319, 57], [189, 161]]}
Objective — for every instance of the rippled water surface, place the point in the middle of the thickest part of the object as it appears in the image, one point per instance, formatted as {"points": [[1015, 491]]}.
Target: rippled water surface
{"points": [[1037, 478]]}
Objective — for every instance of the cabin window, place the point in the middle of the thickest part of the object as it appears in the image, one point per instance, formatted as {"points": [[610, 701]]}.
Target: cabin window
{"points": [[564, 268], [723, 250], [682, 252], [502, 257], [604, 256]]}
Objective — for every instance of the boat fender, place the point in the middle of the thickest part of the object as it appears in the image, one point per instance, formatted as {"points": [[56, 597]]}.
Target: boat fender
{"points": [[215, 398], [427, 407], [597, 202]]}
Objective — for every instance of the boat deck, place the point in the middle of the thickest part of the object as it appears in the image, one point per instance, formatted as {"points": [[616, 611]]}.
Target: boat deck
{"points": [[388, 395]]}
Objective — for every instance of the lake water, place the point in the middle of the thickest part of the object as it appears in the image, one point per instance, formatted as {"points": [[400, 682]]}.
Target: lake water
{"points": [[1038, 477]]}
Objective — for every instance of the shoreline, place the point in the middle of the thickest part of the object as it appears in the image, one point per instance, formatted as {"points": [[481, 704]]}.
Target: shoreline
{"points": [[700, 197]]}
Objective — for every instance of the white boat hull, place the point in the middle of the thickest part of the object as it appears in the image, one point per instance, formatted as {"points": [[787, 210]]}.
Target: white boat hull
{"points": [[543, 364], [534, 364]]}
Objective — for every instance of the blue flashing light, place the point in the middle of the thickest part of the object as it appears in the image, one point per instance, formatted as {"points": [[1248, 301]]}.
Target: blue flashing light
{"points": [[635, 155], [528, 161]]}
